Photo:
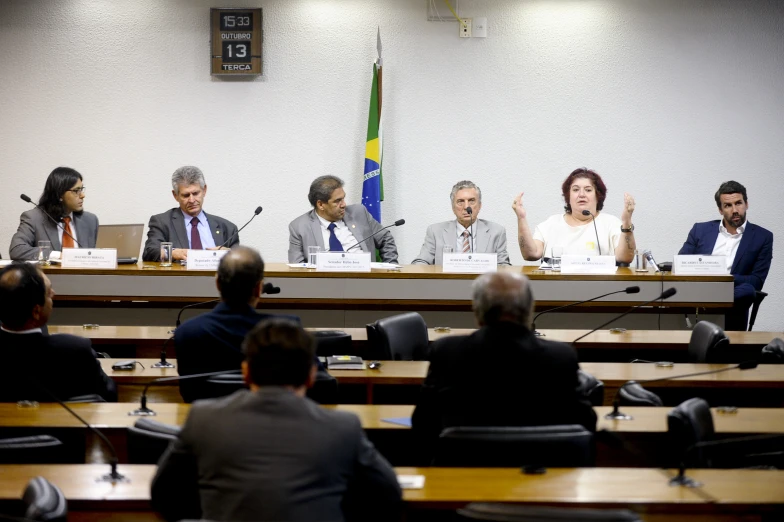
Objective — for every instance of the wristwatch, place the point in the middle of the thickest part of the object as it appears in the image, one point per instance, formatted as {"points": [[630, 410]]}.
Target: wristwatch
{"points": [[630, 229]]}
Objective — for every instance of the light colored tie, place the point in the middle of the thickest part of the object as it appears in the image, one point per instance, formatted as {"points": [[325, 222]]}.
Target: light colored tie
{"points": [[466, 243], [68, 241]]}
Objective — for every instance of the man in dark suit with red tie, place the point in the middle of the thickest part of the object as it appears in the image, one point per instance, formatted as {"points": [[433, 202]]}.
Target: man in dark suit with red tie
{"points": [[748, 247]]}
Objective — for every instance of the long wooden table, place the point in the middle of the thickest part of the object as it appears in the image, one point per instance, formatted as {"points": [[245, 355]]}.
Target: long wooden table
{"points": [[725, 494]]}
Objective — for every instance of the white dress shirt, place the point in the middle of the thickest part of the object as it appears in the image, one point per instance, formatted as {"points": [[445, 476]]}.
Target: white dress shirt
{"points": [[203, 227], [342, 232], [727, 244]]}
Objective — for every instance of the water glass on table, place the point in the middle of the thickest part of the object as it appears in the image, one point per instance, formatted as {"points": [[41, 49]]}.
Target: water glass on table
{"points": [[166, 253], [313, 255], [44, 252], [557, 252]]}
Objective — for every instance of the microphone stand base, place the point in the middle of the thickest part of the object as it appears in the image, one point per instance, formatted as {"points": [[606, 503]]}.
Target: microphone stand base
{"points": [[161, 364], [684, 481], [142, 412], [618, 415], [113, 478]]}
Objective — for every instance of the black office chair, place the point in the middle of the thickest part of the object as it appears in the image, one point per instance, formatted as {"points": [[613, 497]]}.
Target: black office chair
{"points": [[563, 446], [517, 513], [773, 353], [221, 385], [34, 449], [324, 389], [590, 387], [91, 397], [635, 395], [332, 342], [102, 355], [687, 424], [401, 337], [758, 297], [44, 502], [708, 343], [148, 439]]}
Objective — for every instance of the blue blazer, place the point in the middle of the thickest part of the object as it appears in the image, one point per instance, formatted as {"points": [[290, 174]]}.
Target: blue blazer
{"points": [[752, 260]]}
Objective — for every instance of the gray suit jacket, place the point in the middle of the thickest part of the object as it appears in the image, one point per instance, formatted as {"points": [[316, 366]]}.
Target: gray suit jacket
{"points": [[34, 226], [170, 227], [305, 231], [489, 238], [270, 455]]}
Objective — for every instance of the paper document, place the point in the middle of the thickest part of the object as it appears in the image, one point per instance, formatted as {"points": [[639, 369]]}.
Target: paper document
{"points": [[401, 421], [387, 266], [411, 481]]}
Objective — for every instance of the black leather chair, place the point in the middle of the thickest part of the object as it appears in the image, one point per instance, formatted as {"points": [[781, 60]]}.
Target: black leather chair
{"points": [[563, 446], [401, 337], [687, 424], [518, 513], [44, 501], [773, 353], [590, 387], [34, 449], [148, 439], [635, 395], [221, 385], [91, 397], [102, 355], [325, 389], [708, 343], [758, 297], [332, 342]]}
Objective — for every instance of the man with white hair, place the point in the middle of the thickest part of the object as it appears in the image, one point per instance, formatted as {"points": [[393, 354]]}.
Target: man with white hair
{"points": [[502, 374], [188, 227]]}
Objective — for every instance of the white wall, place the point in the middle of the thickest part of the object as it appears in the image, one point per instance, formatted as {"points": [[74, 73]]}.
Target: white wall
{"points": [[665, 98]]}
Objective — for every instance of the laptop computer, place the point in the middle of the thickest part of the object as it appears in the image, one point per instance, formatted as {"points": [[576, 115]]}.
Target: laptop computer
{"points": [[127, 239]]}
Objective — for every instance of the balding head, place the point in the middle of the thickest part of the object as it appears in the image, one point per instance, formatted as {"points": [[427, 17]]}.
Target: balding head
{"points": [[503, 297], [25, 297], [240, 275]]}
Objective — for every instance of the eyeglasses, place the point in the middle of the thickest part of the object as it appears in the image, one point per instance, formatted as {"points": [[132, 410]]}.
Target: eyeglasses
{"points": [[78, 191]]}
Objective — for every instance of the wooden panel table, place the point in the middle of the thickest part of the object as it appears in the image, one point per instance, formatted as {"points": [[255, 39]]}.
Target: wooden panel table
{"points": [[726, 494]]}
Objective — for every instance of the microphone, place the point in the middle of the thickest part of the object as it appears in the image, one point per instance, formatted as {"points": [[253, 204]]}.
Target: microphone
{"points": [[144, 411], [270, 289], [596, 231], [57, 224], [358, 243], [628, 290], [163, 363], [256, 213], [651, 261], [471, 226], [664, 295], [179, 315], [618, 415]]}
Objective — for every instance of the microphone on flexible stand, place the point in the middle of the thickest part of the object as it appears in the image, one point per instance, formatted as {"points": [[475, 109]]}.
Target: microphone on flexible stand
{"points": [[179, 315], [57, 224], [397, 223], [628, 290], [471, 226], [256, 213], [615, 414], [163, 363], [144, 411], [596, 231]]}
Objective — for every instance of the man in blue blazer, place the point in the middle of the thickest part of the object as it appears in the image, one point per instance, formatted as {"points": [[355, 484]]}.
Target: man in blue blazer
{"points": [[748, 247]]}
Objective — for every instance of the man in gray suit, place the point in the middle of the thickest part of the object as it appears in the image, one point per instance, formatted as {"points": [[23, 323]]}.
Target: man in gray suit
{"points": [[188, 227], [488, 237], [269, 453], [335, 226]]}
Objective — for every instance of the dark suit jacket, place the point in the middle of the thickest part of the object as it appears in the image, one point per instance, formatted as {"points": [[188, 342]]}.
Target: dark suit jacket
{"points": [[270, 455], [752, 260], [500, 375], [170, 227], [64, 364], [34, 226]]}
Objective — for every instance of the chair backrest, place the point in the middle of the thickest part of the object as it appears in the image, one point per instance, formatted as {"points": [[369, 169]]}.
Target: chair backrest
{"points": [[44, 501], [510, 446], [708, 343], [218, 386], [773, 353], [332, 342], [590, 387], [402, 337], [148, 439], [687, 424], [635, 395], [758, 297], [325, 389], [90, 397], [34, 449], [517, 513]]}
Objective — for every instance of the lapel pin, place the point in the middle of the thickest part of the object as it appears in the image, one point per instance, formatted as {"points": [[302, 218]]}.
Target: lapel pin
{"points": [[353, 226], [217, 231]]}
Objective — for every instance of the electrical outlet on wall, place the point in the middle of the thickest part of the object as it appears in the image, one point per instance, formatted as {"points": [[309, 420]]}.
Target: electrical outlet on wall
{"points": [[465, 27]]}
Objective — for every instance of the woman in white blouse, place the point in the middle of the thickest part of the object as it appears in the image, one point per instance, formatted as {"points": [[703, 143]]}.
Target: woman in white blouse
{"points": [[584, 193]]}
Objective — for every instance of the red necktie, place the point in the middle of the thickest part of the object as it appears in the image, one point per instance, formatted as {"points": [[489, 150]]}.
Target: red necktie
{"points": [[67, 241], [195, 237]]}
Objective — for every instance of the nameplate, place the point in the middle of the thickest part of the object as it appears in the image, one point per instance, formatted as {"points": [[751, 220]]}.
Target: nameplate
{"points": [[204, 259], [343, 262], [571, 264], [470, 263], [89, 258], [699, 265]]}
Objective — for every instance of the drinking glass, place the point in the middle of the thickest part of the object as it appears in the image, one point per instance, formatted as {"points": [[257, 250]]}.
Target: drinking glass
{"points": [[166, 254], [312, 255], [557, 252], [44, 251]]}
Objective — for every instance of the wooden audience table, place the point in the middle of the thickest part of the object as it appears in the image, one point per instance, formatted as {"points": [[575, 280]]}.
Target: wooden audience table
{"points": [[725, 494]]}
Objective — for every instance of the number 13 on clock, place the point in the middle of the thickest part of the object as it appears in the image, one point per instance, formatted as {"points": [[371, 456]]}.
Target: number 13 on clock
{"points": [[235, 41]]}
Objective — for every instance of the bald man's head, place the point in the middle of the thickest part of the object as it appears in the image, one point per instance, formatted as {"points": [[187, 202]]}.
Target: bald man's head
{"points": [[503, 296], [240, 274], [25, 297]]}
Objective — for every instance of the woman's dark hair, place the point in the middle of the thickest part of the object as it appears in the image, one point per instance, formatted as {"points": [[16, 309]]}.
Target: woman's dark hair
{"points": [[59, 182], [596, 181]]}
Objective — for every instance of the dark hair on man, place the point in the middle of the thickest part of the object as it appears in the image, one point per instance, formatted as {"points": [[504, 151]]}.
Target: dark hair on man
{"points": [[322, 188], [596, 181], [238, 273], [730, 187], [279, 352], [21, 288], [60, 181]]}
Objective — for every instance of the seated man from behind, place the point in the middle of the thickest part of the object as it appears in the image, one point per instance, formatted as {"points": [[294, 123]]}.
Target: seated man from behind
{"points": [[272, 454], [64, 364], [502, 374]]}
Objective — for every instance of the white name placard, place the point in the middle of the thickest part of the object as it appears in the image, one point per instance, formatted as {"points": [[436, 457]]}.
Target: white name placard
{"points": [[343, 262], [470, 263], [699, 265], [589, 264], [204, 259], [89, 258]]}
